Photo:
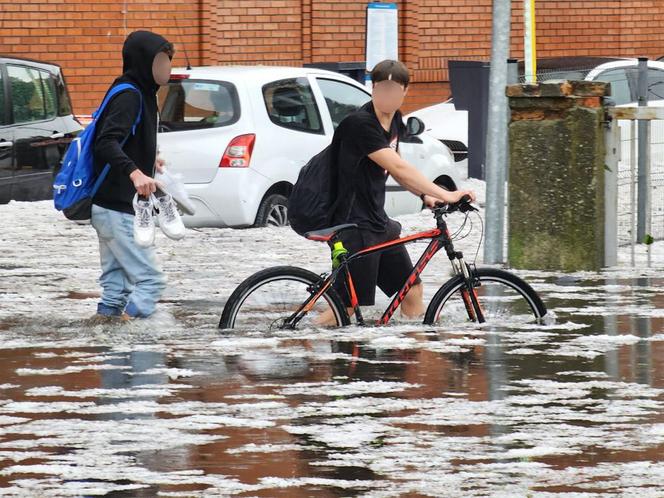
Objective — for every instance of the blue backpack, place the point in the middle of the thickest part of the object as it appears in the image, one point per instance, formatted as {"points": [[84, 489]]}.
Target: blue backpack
{"points": [[76, 183]]}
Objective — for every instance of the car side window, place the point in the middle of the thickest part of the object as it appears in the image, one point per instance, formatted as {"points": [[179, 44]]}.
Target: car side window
{"points": [[290, 104], [341, 98], [64, 103], [655, 84], [2, 99], [620, 92], [27, 94], [50, 94]]}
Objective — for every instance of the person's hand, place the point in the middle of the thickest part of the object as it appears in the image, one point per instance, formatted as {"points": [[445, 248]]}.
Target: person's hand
{"points": [[461, 193], [143, 184], [159, 164], [431, 202]]}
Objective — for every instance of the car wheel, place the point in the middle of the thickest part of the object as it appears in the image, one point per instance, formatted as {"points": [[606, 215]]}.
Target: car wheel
{"points": [[273, 211]]}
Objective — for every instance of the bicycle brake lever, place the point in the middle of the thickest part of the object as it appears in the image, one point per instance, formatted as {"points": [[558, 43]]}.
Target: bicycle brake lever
{"points": [[465, 207]]}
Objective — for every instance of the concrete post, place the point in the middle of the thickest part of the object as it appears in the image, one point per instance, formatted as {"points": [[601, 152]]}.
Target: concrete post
{"points": [[556, 176]]}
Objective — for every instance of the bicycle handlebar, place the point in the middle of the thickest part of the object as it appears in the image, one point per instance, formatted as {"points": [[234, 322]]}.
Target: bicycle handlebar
{"points": [[463, 206]]}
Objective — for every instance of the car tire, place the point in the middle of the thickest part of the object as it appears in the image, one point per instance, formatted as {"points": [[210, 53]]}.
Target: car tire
{"points": [[273, 211]]}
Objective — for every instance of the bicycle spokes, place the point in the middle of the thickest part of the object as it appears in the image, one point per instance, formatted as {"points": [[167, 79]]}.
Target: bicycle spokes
{"points": [[492, 302], [275, 302]]}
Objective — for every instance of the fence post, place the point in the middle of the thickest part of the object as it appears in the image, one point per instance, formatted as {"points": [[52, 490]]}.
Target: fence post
{"points": [[643, 217], [613, 152]]}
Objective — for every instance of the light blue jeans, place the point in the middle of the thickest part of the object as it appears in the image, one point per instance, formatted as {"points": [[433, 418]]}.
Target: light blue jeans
{"points": [[130, 276]]}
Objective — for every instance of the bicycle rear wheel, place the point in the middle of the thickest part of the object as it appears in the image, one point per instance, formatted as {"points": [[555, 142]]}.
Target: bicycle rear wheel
{"points": [[503, 297], [268, 298]]}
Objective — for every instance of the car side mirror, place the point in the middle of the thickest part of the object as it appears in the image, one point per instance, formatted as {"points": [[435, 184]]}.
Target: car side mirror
{"points": [[414, 126]]}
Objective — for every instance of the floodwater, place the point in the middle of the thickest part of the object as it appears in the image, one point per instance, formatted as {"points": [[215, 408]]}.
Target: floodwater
{"points": [[173, 407]]}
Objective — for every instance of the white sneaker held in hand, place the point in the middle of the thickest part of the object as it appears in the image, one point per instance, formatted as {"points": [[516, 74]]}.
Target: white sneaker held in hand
{"points": [[170, 221], [172, 184], [143, 221]]}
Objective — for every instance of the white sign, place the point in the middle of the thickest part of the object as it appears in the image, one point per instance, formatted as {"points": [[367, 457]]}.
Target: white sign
{"points": [[382, 33]]}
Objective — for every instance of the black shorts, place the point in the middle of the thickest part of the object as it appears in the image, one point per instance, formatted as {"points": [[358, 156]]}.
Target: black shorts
{"points": [[388, 269]]}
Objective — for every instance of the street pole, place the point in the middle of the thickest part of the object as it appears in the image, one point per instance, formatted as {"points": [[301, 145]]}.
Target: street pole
{"points": [[496, 152]]}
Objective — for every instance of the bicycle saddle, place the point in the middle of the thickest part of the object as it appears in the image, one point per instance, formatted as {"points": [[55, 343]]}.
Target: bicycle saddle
{"points": [[326, 234]]}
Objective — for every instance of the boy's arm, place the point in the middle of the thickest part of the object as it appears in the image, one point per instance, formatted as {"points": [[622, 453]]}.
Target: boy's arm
{"points": [[116, 126], [412, 179]]}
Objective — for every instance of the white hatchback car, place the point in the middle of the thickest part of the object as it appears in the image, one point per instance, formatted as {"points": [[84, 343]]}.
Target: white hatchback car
{"points": [[239, 136]]}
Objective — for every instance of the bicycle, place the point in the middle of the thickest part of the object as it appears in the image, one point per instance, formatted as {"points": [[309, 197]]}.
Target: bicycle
{"points": [[283, 296]]}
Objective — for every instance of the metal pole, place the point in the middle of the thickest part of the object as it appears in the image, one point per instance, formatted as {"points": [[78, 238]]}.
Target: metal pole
{"points": [[496, 153], [644, 153], [632, 191]]}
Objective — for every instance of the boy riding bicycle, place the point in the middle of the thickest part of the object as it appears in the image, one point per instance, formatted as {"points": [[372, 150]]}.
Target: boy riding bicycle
{"points": [[368, 154]]}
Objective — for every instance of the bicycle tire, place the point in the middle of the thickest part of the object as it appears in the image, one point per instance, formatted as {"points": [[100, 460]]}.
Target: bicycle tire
{"points": [[257, 280], [455, 284]]}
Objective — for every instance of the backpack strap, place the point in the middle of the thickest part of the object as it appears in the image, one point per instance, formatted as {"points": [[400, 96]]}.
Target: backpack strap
{"points": [[112, 93]]}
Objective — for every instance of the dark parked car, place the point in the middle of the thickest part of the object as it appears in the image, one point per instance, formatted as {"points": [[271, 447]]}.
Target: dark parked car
{"points": [[36, 125]]}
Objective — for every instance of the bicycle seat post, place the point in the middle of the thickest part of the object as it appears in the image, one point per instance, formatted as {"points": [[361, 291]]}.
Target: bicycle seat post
{"points": [[339, 257]]}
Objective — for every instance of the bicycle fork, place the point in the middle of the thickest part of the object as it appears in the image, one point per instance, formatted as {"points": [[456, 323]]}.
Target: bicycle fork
{"points": [[468, 291]]}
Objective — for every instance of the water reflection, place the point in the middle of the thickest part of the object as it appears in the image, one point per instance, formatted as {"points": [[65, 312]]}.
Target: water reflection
{"points": [[574, 406]]}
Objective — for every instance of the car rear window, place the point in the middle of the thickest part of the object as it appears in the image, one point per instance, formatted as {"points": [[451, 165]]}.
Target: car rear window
{"points": [[196, 104]]}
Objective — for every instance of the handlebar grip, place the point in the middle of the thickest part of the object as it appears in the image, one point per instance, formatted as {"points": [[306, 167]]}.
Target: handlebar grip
{"points": [[465, 204]]}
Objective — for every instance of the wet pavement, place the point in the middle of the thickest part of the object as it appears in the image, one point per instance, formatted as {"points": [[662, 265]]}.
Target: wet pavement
{"points": [[173, 407]]}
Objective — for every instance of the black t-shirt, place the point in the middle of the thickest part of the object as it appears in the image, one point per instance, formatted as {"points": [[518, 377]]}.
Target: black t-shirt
{"points": [[361, 182]]}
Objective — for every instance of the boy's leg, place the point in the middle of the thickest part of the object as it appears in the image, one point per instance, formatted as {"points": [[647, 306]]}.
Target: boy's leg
{"points": [[115, 286], [395, 267], [139, 265], [413, 304]]}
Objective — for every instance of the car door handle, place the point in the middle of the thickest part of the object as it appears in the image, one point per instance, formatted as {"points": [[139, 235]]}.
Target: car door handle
{"points": [[5, 144], [57, 135]]}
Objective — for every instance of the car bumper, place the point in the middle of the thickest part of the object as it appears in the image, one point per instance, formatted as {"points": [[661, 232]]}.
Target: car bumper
{"points": [[231, 199]]}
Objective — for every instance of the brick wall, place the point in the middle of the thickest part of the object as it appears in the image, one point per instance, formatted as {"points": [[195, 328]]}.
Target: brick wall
{"points": [[86, 37]]}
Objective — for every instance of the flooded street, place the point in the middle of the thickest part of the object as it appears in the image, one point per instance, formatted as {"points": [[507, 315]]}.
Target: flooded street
{"points": [[173, 407]]}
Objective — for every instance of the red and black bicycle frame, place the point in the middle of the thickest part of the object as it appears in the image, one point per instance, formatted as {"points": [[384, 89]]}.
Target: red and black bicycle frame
{"points": [[440, 238]]}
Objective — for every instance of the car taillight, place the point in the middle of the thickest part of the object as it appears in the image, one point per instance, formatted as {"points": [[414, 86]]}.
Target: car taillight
{"points": [[238, 152], [179, 76]]}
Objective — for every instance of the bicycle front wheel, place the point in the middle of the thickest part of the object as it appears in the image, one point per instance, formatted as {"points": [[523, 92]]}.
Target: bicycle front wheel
{"points": [[268, 298], [503, 299]]}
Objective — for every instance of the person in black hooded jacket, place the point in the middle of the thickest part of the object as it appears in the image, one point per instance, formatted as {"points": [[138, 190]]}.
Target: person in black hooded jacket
{"points": [[131, 279]]}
